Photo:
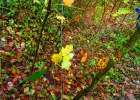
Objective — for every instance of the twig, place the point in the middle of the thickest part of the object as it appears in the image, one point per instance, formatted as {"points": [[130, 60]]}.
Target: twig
{"points": [[41, 32]]}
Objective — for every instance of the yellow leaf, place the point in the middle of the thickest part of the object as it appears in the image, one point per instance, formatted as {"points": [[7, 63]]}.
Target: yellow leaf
{"points": [[56, 58], [102, 63], [83, 59], [68, 2], [61, 18], [66, 50], [26, 89], [64, 57]]}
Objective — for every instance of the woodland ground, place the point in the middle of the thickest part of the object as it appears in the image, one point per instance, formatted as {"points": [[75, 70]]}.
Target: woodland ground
{"points": [[18, 37]]}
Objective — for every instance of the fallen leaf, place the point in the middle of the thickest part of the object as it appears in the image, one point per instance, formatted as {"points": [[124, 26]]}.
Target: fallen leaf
{"points": [[9, 88], [15, 29], [68, 2], [61, 18], [9, 29], [18, 33], [26, 89], [56, 90], [117, 88], [3, 39], [8, 49], [83, 59], [77, 18], [17, 39], [116, 94], [57, 79], [14, 59], [22, 45], [11, 44], [102, 63], [87, 98], [27, 29], [32, 91], [65, 97], [3, 16], [118, 56], [101, 87]]}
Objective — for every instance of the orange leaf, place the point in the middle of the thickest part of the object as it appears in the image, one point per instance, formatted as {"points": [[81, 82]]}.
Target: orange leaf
{"points": [[118, 56], [77, 18], [68, 2], [27, 29], [83, 59], [117, 88], [57, 79]]}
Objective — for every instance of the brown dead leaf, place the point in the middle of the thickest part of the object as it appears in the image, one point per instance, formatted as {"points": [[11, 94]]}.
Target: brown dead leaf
{"points": [[22, 45], [8, 49], [3, 16], [11, 44], [15, 29], [18, 33], [56, 90], [27, 29], [17, 39], [116, 94]]}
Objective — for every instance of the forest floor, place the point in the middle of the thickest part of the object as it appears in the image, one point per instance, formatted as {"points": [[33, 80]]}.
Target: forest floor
{"points": [[18, 39]]}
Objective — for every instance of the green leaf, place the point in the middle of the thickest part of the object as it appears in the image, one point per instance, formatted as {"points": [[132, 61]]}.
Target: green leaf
{"points": [[36, 75], [98, 15], [122, 11], [46, 3], [126, 1], [71, 55], [93, 61], [66, 63]]}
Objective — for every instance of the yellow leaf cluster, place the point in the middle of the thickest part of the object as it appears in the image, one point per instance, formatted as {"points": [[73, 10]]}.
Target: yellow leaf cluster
{"points": [[56, 58], [66, 50], [102, 63], [64, 56]]}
